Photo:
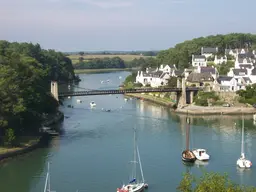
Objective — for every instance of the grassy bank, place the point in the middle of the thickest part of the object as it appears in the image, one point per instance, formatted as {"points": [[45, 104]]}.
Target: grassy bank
{"points": [[79, 71], [158, 100], [24, 143]]}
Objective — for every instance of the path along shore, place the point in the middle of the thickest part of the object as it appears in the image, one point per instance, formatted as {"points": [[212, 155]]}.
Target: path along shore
{"points": [[196, 110], [32, 143]]}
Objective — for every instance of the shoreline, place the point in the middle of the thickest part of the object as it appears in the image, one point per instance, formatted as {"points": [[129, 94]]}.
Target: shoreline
{"points": [[8, 153], [215, 110], [157, 100], [196, 110]]}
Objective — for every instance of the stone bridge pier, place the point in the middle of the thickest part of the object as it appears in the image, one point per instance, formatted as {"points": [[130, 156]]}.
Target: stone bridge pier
{"points": [[54, 90]]}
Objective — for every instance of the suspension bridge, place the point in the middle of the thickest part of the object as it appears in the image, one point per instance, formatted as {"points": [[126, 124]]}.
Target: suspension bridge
{"points": [[182, 92]]}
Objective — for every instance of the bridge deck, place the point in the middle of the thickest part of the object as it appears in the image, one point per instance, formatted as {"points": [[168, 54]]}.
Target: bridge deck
{"points": [[123, 91]]}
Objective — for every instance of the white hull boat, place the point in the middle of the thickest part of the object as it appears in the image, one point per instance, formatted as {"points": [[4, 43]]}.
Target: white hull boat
{"points": [[201, 154], [242, 162], [134, 185], [92, 104]]}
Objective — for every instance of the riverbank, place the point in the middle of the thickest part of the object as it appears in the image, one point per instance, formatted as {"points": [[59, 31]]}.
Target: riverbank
{"points": [[215, 110], [30, 143], [158, 100], [80, 71], [196, 110]]}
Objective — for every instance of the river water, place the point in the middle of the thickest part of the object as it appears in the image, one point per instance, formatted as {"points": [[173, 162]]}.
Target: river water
{"points": [[95, 148]]}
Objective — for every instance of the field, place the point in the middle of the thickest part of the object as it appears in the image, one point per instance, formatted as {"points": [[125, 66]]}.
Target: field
{"points": [[75, 58]]}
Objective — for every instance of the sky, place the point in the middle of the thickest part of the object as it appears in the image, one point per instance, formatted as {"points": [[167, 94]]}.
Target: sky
{"points": [[121, 25]]}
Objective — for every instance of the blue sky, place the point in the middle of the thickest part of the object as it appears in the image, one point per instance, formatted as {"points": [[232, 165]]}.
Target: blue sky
{"points": [[73, 25]]}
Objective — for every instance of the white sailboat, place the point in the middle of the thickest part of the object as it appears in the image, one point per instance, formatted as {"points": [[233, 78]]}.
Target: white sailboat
{"points": [[201, 154], [134, 185], [242, 162]]}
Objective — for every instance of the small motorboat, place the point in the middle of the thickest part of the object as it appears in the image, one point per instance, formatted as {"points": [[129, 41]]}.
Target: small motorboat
{"points": [[201, 154], [92, 104], [78, 101]]}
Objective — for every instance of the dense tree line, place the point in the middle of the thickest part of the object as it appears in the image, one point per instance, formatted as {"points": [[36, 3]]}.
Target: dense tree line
{"points": [[181, 54], [25, 74], [97, 63]]}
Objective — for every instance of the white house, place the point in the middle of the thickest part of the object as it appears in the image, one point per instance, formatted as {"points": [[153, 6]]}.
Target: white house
{"points": [[243, 62], [225, 83], [220, 59], [155, 77], [209, 51], [199, 60]]}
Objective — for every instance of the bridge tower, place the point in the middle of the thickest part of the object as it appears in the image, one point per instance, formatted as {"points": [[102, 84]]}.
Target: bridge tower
{"points": [[183, 99], [54, 90]]}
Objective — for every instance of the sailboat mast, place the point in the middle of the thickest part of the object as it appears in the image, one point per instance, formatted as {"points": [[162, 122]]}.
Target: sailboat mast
{"points": [[140, 165], [187, 135], [134, 154], [242, 144], [49, 187]]}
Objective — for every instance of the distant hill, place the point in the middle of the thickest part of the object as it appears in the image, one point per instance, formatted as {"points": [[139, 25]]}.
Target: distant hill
{"points": [[181, 54]]}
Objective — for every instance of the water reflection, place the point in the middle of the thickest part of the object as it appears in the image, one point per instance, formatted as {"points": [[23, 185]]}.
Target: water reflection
{"points": [[20, 173]]}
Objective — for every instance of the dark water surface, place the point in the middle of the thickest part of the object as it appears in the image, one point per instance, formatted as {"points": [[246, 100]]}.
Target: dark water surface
{"points": [[94, 151]]}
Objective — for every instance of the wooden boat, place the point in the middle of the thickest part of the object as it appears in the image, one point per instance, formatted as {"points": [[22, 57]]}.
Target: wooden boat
{"points": [[187, 155]]}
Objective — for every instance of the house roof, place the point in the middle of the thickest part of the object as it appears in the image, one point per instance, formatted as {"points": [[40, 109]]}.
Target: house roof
{"points": [[241, 60], [178, 72], [209, 50], [239, 71], [199, 57], [246, 79], [224, 78], [245, 55], [208, 70], [253, 71], [199, 77], [245, 66]]}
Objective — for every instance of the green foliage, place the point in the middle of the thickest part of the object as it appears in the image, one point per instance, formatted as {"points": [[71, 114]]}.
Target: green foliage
{"points": [[81, 53], [143, 63], [25, 74], [225, 67], [172, 82], [211, 182], [9, 137], [248, 95], [181, 54], [202, 98], [97, 63]]}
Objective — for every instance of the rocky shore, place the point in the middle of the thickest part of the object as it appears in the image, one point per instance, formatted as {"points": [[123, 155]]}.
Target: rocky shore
{"points": [[215, 110], [196, 110]]}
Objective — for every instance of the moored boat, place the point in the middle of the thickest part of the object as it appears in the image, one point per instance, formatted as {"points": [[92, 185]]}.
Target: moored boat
{"points": [[188, 155]]}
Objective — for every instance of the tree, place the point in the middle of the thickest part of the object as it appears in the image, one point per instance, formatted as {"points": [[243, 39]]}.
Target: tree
{"points": [[248, 95], [25, 74], [81, 53], [172, 82], [182, 52], [211, 182]]}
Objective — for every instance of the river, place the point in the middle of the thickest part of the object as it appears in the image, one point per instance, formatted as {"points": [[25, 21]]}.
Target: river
{"points": [[95, 148]]}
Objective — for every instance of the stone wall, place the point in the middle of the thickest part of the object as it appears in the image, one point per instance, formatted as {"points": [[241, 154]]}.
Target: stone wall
{"points": [[229, 97]]}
